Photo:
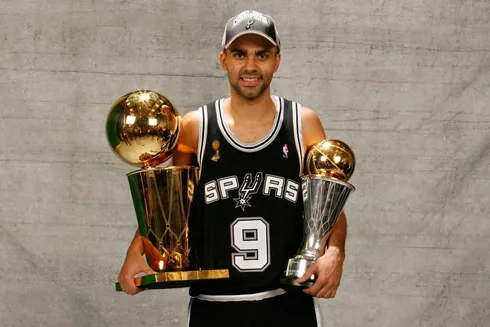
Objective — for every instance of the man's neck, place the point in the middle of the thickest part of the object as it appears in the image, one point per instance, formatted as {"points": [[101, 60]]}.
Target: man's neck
{"points": [[250, 110]]}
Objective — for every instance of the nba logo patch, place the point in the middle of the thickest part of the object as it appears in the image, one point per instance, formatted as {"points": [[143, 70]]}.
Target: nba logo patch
{"points": [[285, 151]]}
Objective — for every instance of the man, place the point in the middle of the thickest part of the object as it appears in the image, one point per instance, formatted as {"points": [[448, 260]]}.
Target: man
{"points": [[248, 210]]}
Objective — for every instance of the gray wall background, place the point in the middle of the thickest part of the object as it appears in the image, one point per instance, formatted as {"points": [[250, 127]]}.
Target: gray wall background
{"points": [[404, 82]]}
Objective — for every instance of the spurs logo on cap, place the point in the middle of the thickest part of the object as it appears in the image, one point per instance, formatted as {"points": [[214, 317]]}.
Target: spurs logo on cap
{"points": [[250, 22]]}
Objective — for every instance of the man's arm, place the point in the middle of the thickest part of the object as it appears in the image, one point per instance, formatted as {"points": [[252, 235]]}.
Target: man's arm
{"points": [[328, 268], [134, 262], [339, 234], [188, 139]]}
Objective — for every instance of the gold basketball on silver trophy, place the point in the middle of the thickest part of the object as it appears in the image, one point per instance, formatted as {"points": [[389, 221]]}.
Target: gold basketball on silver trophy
{"points": [[331, 158], [329, 165], [142, 128]]}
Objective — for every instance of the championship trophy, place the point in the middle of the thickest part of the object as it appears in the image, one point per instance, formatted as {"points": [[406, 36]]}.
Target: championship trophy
{"points": [[329, 165], [142, 128]]}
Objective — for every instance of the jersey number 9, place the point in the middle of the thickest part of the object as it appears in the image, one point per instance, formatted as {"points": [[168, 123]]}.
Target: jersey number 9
{"points": [[250, 237]]}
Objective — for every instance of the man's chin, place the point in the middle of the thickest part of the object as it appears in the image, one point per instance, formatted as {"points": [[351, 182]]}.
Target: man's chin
{"points": [[251, 95]]}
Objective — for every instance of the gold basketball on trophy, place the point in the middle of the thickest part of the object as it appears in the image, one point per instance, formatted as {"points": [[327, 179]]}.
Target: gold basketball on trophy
{"points": [[331, 158], [142, 128]]}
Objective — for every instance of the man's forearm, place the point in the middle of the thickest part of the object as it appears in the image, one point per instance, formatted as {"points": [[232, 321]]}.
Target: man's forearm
{"points": [[136, 245], [339, 233]]}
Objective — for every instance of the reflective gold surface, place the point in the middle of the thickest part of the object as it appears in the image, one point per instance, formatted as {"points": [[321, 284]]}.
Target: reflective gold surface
{"points": [[330, 158], [142, 128], [163, 198], [177, 278], [188, 275]]}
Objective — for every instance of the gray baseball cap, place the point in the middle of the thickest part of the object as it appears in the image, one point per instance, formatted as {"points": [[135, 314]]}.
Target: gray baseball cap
{"points": [[250, 22]]}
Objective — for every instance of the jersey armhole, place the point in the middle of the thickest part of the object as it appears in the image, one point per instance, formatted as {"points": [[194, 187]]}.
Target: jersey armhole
{"points": [[298, 134], [203, 132]]}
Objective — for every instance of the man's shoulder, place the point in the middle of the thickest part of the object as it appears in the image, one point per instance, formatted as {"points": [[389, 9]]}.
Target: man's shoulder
{"points": [[192, 117]]}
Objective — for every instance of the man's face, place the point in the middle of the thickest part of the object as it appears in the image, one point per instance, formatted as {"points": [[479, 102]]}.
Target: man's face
{"points": [[250, 61]]}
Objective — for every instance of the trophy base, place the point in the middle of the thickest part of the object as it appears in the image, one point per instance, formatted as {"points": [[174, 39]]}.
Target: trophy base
{"points": [[296, 268], [177, 279], [291, 283]]}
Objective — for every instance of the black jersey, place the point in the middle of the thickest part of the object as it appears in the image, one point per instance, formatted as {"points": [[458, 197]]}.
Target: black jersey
{"points": [[247, 214]]}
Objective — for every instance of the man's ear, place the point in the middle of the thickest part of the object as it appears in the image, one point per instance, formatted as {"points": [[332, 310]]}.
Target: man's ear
{"points": [[278, 62], [222, 58]]}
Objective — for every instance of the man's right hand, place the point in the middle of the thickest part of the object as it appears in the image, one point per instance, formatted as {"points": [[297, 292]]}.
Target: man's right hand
{"points": [[133, 265]]}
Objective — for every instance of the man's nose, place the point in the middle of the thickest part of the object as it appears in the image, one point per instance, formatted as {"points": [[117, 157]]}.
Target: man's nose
{"points": [[251, 63]]}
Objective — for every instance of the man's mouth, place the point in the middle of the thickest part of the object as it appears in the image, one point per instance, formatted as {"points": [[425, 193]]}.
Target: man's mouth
{"points": [[250, 81]]}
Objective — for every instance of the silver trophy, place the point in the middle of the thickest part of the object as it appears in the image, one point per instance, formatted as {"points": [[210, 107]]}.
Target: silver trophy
{"points": [[329, 165]]}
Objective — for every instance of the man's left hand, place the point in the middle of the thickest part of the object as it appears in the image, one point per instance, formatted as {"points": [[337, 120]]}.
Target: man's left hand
{"points": [[328, 272]]}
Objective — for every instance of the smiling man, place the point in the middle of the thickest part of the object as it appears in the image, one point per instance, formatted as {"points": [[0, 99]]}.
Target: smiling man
{"points": [[247, 214]]}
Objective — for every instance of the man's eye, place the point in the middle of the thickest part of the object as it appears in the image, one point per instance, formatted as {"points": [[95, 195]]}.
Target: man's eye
{"points": [[238, 54], [263, 55]]}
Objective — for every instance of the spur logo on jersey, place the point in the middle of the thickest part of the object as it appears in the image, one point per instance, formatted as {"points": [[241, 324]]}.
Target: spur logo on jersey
{"points": [[247, 189], [242, 193]]}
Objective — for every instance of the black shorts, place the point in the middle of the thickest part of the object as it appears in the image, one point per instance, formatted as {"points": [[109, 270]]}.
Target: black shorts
{"points": [[290, 309]]}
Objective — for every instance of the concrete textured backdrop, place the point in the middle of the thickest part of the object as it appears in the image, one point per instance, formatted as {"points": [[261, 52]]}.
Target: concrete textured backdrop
{"points": [[405, 83]]}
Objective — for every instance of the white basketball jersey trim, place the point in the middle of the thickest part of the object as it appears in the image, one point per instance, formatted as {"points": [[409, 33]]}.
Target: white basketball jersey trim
{"points": [[256, 146], [298, 134], [203, 132], [242, 297], [189, 308]]}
